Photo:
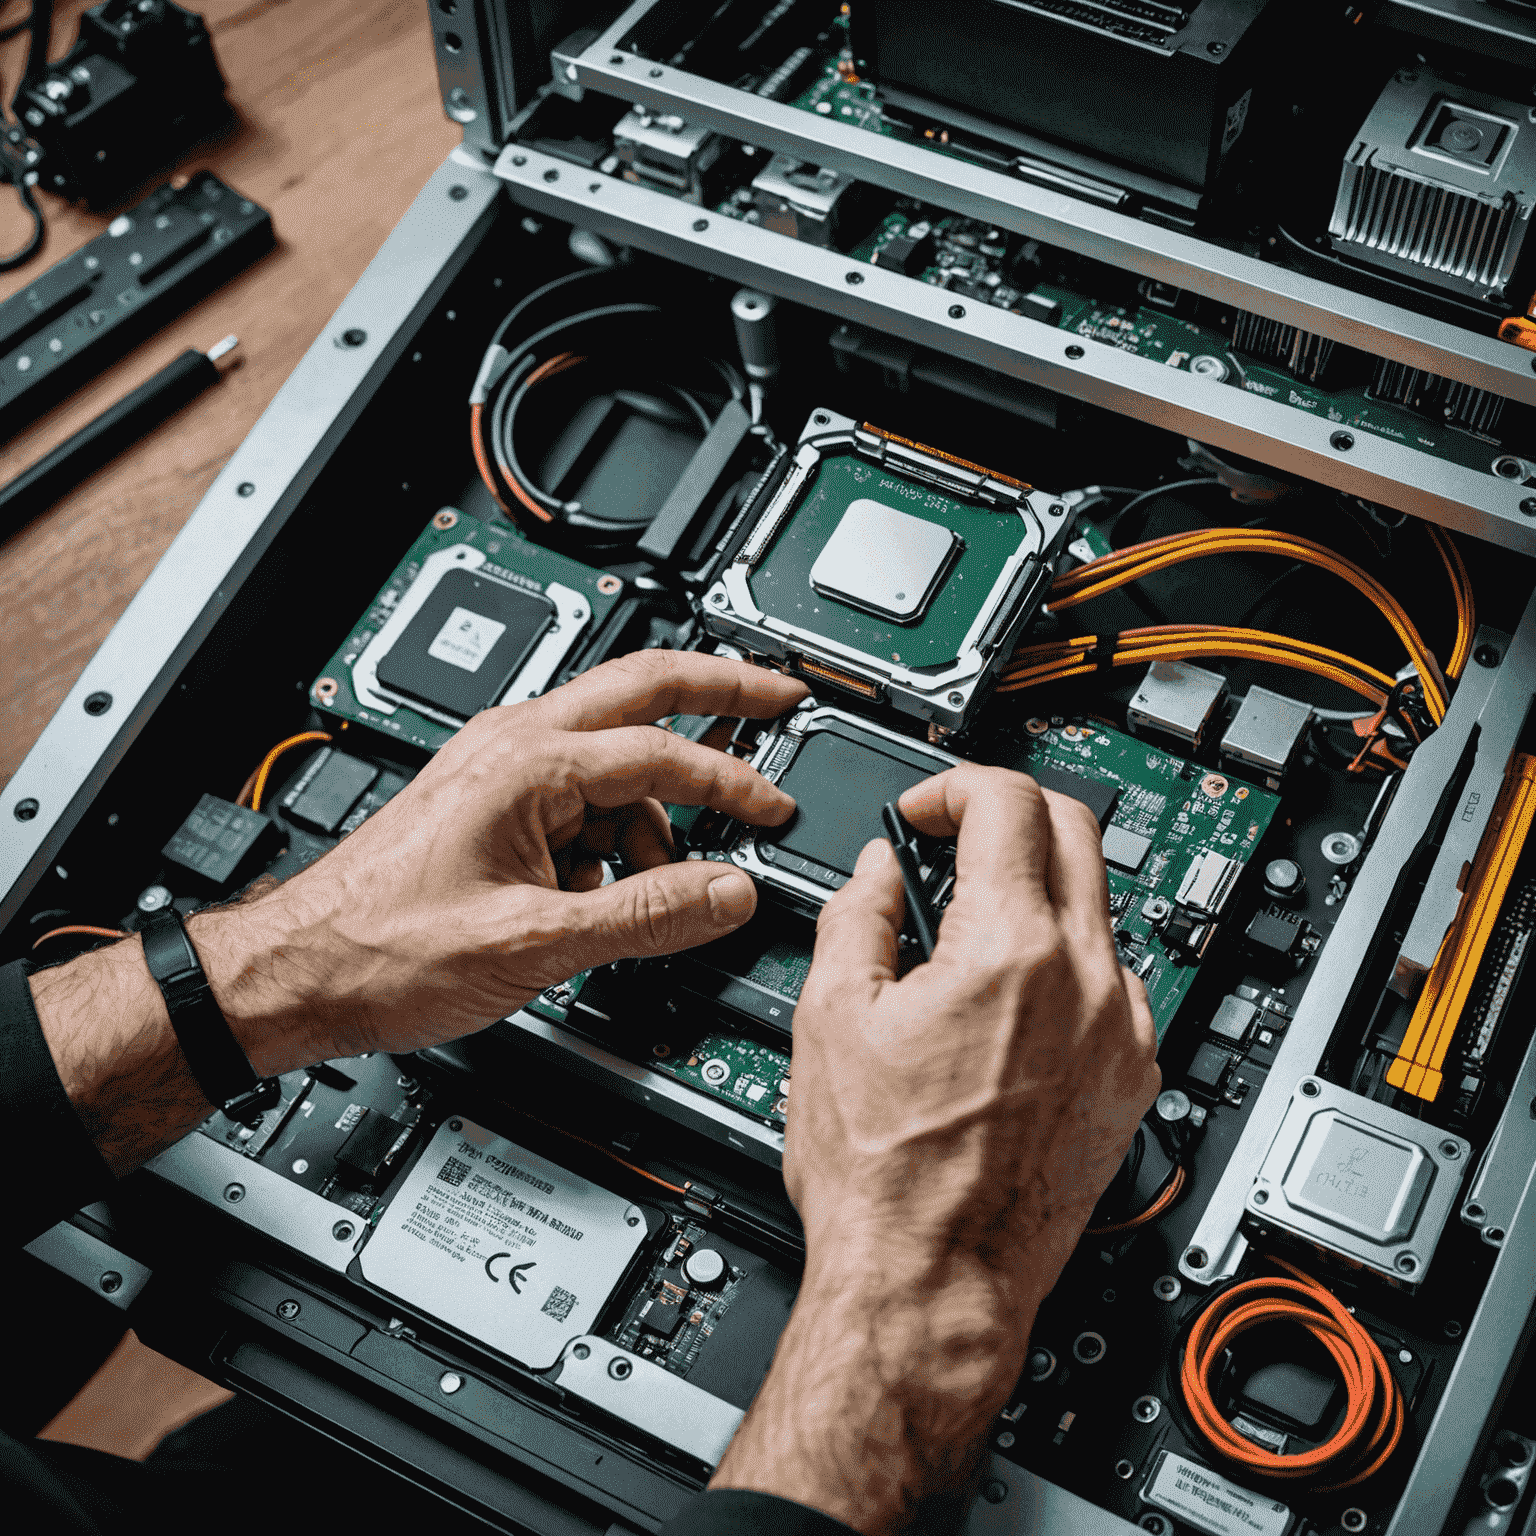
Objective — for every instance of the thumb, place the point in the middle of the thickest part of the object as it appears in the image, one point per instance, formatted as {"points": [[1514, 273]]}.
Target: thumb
{"points": [[856, 933], [656, 912]]}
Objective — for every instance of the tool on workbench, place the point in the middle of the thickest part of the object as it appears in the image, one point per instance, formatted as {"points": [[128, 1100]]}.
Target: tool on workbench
{"points": [[136, 414]]}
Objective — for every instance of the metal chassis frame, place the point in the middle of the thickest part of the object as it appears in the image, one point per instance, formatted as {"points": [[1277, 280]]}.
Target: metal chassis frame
{"points": [[1168, 256], [1226, 417]]}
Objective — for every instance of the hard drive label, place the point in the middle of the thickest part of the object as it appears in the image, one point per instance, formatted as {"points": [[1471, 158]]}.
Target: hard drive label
{"points": [[501, 1244], [1210, 1503]]}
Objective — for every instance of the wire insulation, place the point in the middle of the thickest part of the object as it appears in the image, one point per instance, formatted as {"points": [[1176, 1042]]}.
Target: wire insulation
{"points": [[86, 928], [256, 786]]}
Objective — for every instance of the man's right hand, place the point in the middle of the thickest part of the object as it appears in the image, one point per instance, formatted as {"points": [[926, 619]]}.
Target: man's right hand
{"points": [[949, 1134]]}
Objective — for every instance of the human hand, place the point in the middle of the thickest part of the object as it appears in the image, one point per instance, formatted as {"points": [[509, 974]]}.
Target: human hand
{"points": [[948, 1136], [480, 884]]}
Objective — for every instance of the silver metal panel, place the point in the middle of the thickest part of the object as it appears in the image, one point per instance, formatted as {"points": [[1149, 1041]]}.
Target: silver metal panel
{"points": [[95, 1264], [227, 535], [1217, 1240], [1490, 1354], [1014, 1502], [1507, 1161], [1168, 256], [709, 1117], [1225, 416], [261, 1199], [649, 1398]]}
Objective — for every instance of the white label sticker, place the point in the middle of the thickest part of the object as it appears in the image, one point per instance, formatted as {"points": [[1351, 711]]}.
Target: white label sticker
{"points": [[501, 1243], [1210, 1503], [466, 639]]}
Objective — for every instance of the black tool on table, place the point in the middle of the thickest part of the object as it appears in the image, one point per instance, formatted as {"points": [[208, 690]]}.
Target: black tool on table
{"points": [[920, 914], [136, 414]]}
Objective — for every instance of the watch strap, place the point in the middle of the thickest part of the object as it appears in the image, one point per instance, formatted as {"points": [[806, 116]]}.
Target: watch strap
{"points": [[214, 1056]]}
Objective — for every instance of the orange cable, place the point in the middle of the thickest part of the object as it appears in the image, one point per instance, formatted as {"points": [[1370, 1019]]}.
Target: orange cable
{"points": [[256, 785], [483, 462], [100, 933], [1164, 1202]]}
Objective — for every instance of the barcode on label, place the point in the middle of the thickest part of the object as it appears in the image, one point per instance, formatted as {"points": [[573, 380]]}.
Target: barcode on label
{"points": [[453, 1171], [559, 1305]]}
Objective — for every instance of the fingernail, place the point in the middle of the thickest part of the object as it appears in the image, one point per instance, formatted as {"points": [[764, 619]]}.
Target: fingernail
{"points": [[731, 900]]}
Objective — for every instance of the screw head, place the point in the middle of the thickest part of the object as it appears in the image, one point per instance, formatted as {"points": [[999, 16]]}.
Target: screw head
{"points": [[1197, 1258], [1528, 506], [110, 1281], [620, 1368], [1005, 1440], [700, 225], [853, 279], [957, 311], [1405, 1263], [1125, 1470], [519, 159], [1310, 1089], [1261, 1197], [1450, 1150], [450, 1382], [153, 898], [581, 1351], [1343, 441], [289, 1309], [655, 74], [25, 810], [234, 1193], [455, 1124], [994, 1490], [956, 698], [458, 193], [1487, 656], [353, 336], [1215, 49], [1146, 1409], [821, 418], [245, 488], [98, 703], [342, 1231], [1075, 352], [1167, 1288]]}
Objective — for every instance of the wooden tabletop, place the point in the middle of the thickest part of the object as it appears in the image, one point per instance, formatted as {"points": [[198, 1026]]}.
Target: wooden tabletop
{"points": [[338, 125]]}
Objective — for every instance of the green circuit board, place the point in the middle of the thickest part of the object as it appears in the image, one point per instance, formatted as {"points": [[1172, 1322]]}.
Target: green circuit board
{"points": [[782, 584], [1182, 809], [733, 1069], [508, 554]]}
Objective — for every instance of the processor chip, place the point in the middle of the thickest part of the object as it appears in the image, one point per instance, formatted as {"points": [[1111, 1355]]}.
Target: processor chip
{"points": [[1125, 849], [502, 1245], [465, 643], [885, 561], [1358, 1177]]}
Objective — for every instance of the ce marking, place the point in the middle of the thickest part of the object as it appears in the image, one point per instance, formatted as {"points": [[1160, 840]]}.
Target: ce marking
{"points": [[515, 1275]]}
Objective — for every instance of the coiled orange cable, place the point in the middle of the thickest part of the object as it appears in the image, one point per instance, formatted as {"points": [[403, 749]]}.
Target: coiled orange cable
{"points": [[1372, 1427]]}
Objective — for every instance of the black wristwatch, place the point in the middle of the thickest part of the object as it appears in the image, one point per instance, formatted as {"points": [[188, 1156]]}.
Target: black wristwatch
{"points": [[213, 1054]]}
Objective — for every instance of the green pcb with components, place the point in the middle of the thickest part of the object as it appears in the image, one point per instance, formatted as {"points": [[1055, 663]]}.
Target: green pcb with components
{"points": [[1180, 808], [782, 587], [507, 555], [733, 1069]]}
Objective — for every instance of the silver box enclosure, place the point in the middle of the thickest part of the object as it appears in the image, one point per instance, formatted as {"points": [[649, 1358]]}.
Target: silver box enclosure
{"points": [[1364, 1181], [802, 201], [1179, 698], [1439, 185], [946, 698], [663, 150], [1265, 733]]}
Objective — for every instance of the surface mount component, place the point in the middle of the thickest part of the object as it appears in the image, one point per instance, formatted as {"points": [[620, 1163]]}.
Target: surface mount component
{"points": [[1360, 1180], [885, 569], [661, 150], [331, 784], [475, 615], [841, 771], [501, 1244], [805, 202], [1265, 735], [1177, 698], [219, 841], [1439, 185]]}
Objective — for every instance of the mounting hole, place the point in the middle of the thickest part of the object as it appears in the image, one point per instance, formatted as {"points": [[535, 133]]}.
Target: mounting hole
{"points": [[1406, 1264], [245, 488], [821, 418], [1261, 1197], [1528, 505], [551, 174], [453, 42], [448, 7], [353, 336], [1125, 1470], [1473, 1211], [1502, 1493], [98, 703], [620, 1369], [853, 279], [1343, 441], [957, 311], [1353, 1519], [1310, 1089], [1452, 1329], [1494, 1235], [1197, 1258], [608, 585], [445, 519], [1075, 352], [700, 225], [25, 810], [1089, 1348], [615, 59], [326, 689], [458, 192]]}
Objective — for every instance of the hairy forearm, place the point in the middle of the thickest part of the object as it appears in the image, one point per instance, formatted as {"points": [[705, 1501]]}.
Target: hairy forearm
{"points": [[117, 1056], [881, 1394]]}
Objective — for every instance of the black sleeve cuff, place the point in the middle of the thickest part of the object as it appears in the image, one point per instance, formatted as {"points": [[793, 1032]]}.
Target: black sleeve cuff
{"points": [[51, 1167], [736, 1512]]}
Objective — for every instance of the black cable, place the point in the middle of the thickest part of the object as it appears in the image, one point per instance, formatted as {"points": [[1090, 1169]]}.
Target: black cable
{"points": [[29, 250]]}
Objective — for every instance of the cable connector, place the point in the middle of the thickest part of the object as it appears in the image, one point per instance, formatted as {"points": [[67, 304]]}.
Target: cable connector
{"points": [[493, 367], [700, 1198]]}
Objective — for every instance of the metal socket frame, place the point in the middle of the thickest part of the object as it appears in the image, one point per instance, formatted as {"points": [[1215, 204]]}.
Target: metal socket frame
{"points": [[775, 753], [1382, 1203], [944, 699]]}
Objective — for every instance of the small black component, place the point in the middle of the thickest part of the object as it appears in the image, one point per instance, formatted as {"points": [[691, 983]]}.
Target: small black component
{"points": [[1284, 879], [364, 1152], [1276, 936], [467, 642], [219, 840], [1036, 306], [331, 784], [905, 255], [1234, 1020], [1100, 798], [1209, 1070], [1300, 1398], [663, 1314]]}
